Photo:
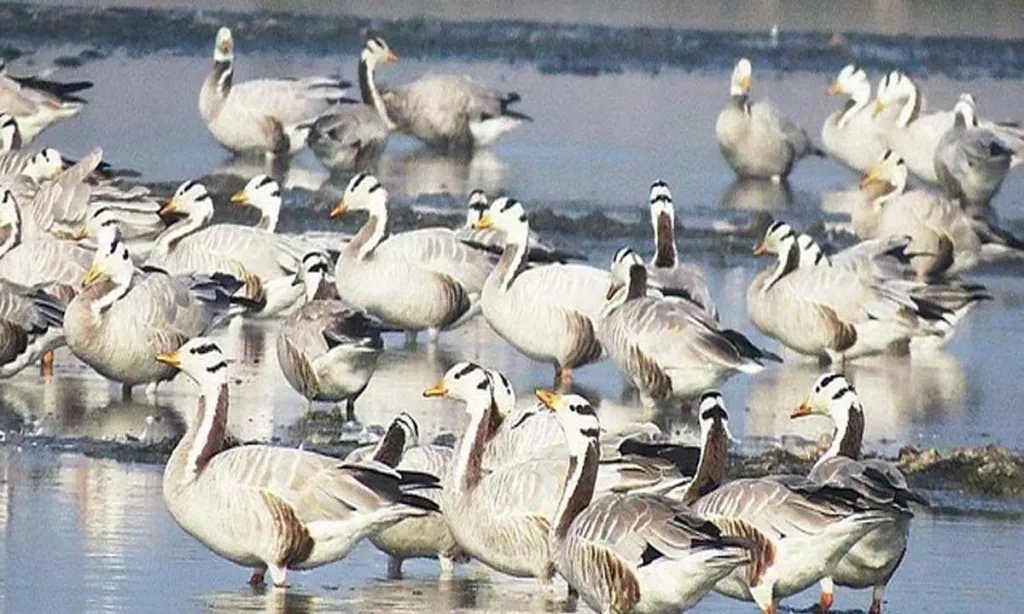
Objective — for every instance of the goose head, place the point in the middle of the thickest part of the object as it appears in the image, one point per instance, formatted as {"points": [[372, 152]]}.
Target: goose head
{"points": [[263, 193], [101, 225], [504, 394], [313, 273], [363, 193], [111, 260], [894, 88], [376, 50], [10, 134], [740, 83], [889, 174], [409, 427], [44, 166], [662, 209], [851, 80], [575, 415], [202, 360], [810, 252], [712, 415], [224, 47], [476, 207], [192, 200], [967, 109], [778, 239], [467, 382], [507, 215], [10, 222], [623, 269], [833, 396]]}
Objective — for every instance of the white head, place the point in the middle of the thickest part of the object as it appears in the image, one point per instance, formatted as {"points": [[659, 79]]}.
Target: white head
{"points": [[44, 166], [623, 261], [376, 50], [476, 207], [467, 382], [778, 239], [850, 81], [111, 260], [504, 394], [711, 411], [202, 360], [967, 108], [315, 269], [507, 215], [191, 199], [411, 429], [263, 193], [224, 49], [10, 134], [661, 204], [363, 193], [890, 169], [576, 416], [894, 88], [832, 395], [740, 83]]}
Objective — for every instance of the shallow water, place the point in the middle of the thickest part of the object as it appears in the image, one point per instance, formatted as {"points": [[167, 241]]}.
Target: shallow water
{"points": [[597, 143]]}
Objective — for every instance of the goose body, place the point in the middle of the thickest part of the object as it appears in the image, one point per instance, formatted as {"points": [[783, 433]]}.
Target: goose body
{"points": [[30, 325], [38, 104], [850, 134]]}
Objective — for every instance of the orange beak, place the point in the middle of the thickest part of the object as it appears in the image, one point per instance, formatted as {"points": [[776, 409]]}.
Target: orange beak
{"points": [[339, 210], [868, 178], [833, 89], [760, 249], [804, 409], [437, 390], [169, 358], [548, 398], [391, 58]]}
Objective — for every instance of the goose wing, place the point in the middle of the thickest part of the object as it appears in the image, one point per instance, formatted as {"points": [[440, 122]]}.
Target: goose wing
{"points": [[289, 101], [438, 250], [880, 483], [572, 287], [770, 119], [217, 247], [45, 260]]}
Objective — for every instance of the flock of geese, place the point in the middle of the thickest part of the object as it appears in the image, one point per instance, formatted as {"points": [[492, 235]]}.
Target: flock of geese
{"points": [[631, 524]]}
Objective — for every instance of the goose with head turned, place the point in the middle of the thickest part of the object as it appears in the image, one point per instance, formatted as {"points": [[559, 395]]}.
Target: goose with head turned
{"points": [[850, 134], [873, 560], [266, 507], [548, 313], [809, 526], [422, 279], [755, 138], [493, 240]]}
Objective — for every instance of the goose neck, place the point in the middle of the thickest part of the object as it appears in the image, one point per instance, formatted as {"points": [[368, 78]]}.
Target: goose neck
{"points": [[788, 261], [468, 469], [368, 89], [203, 438], [665, 255], [860, 97], [223, 73], [372, 234], [111, 291], [849, 434], [714, 455], [513, 257], [578, 489], [911, 108], [175, 232]]}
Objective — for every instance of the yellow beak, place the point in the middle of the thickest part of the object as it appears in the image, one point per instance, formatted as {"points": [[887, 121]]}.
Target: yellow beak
{"points": [[91, 276], [833, 89], [170, 207], [240, 198], [437, 390], [391, 57], [870, 176], [745, 82], [804, 409], [485, 221], [760, 249], [339, 210], [548, 398], [879, 107], [169, 358]]}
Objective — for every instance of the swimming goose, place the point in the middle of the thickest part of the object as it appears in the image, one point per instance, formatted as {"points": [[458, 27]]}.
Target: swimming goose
{"points": [[122, 315], [258, 255], [266, 507], [756, 139], [422, 279], [38, 104], [251, 116], [327, 348], [635, 553], [493, 240], [873, 560], [665, 349], [353, 136], [850, 134], [665, 272], [809, 526], [835, 313], [548, 313]]}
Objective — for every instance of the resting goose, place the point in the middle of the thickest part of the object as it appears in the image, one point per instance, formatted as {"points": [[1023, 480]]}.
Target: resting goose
{"points": [[122, 315], [808, 526], [756, 139], [636, 552], [493, 240], [422, 279], [665, 272], [255, 254], [665, 349], [266, 507], [353, 136], [254, 116], [327, 348], [850, 134], [38, 104], [548, 313], [873, 560]]}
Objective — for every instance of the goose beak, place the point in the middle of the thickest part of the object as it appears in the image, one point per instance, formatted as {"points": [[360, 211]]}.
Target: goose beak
{"points": [[548, 398], [169, 358], [804, 409], [745, 83], [339, 210], [485, 221], [437, 390], [391, 57], [611, 292], [760, 249], [868, 178], [240, 198], [879, 107], [833, 89], [170, 207], [91, 276]]}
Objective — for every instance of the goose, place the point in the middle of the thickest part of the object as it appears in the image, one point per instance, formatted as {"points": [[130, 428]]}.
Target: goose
{"points": [[252, 116], [850, 134], [38, 104], [548, 313], [327, 348], [665, 349], [256, 254], [31, 323], [492, 239], [423, 279], [756, 139], [10, 134], [122, 315], [809, 526], [835, 313], [270, 508], [264, 194], [355, 135], [873, 560], [665, 271]]}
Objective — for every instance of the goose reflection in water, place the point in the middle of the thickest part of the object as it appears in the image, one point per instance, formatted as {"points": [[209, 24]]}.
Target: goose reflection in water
{"points": [[757, 195], [425, 171]]}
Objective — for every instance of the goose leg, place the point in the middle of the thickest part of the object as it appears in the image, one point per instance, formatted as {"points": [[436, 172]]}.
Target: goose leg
{"points": [[279, 575], [350, 410], [410, 338], [447, 567], [46, 364], [394, 568], [151, 390], [256, 579], [563, 379], [433, 334], [826, 600], [876, 599], [126, 392]]}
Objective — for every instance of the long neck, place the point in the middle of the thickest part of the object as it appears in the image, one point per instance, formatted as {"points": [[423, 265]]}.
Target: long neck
{"points": [[740, 102], [469, 462], [110, 293], [637, 282], [911, 106], [859, 99], [175, 232], [223, 74], [578, 489], [370, 235], [204, 437], [323, 291], [849, 434], [369, 92], [789, 260], [268, 220], [714, 455], [665, 242], [513, 258]]}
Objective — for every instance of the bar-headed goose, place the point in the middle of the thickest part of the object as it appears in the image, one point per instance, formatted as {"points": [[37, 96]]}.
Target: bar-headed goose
{"points": [[122, 315], [38, 104], [271, 508], [810, 526], [327, 348], [635, 552], [850, 134], [493, 240], [191, 246], [422, 279], [10, 135], [873, 560], [251, 116], [755, 138], [30, 326], [353, 136], [264, 194], [548, 313], [666, 349]]}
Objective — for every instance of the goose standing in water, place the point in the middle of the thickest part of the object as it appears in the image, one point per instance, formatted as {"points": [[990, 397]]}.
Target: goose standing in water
{"points": [[873, 560], [634, 552], [756, 139], [38, 104], [850, 134], [548, 313], [422, 279], [254, 115], [666, 349], [271, 508], [493, 239], [354, 135], [327, 348]]}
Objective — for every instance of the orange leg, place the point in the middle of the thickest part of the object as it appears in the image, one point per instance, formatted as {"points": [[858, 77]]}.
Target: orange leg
{"points": [[256, 579], [563, 378], [46, 364], [825, 603]]}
